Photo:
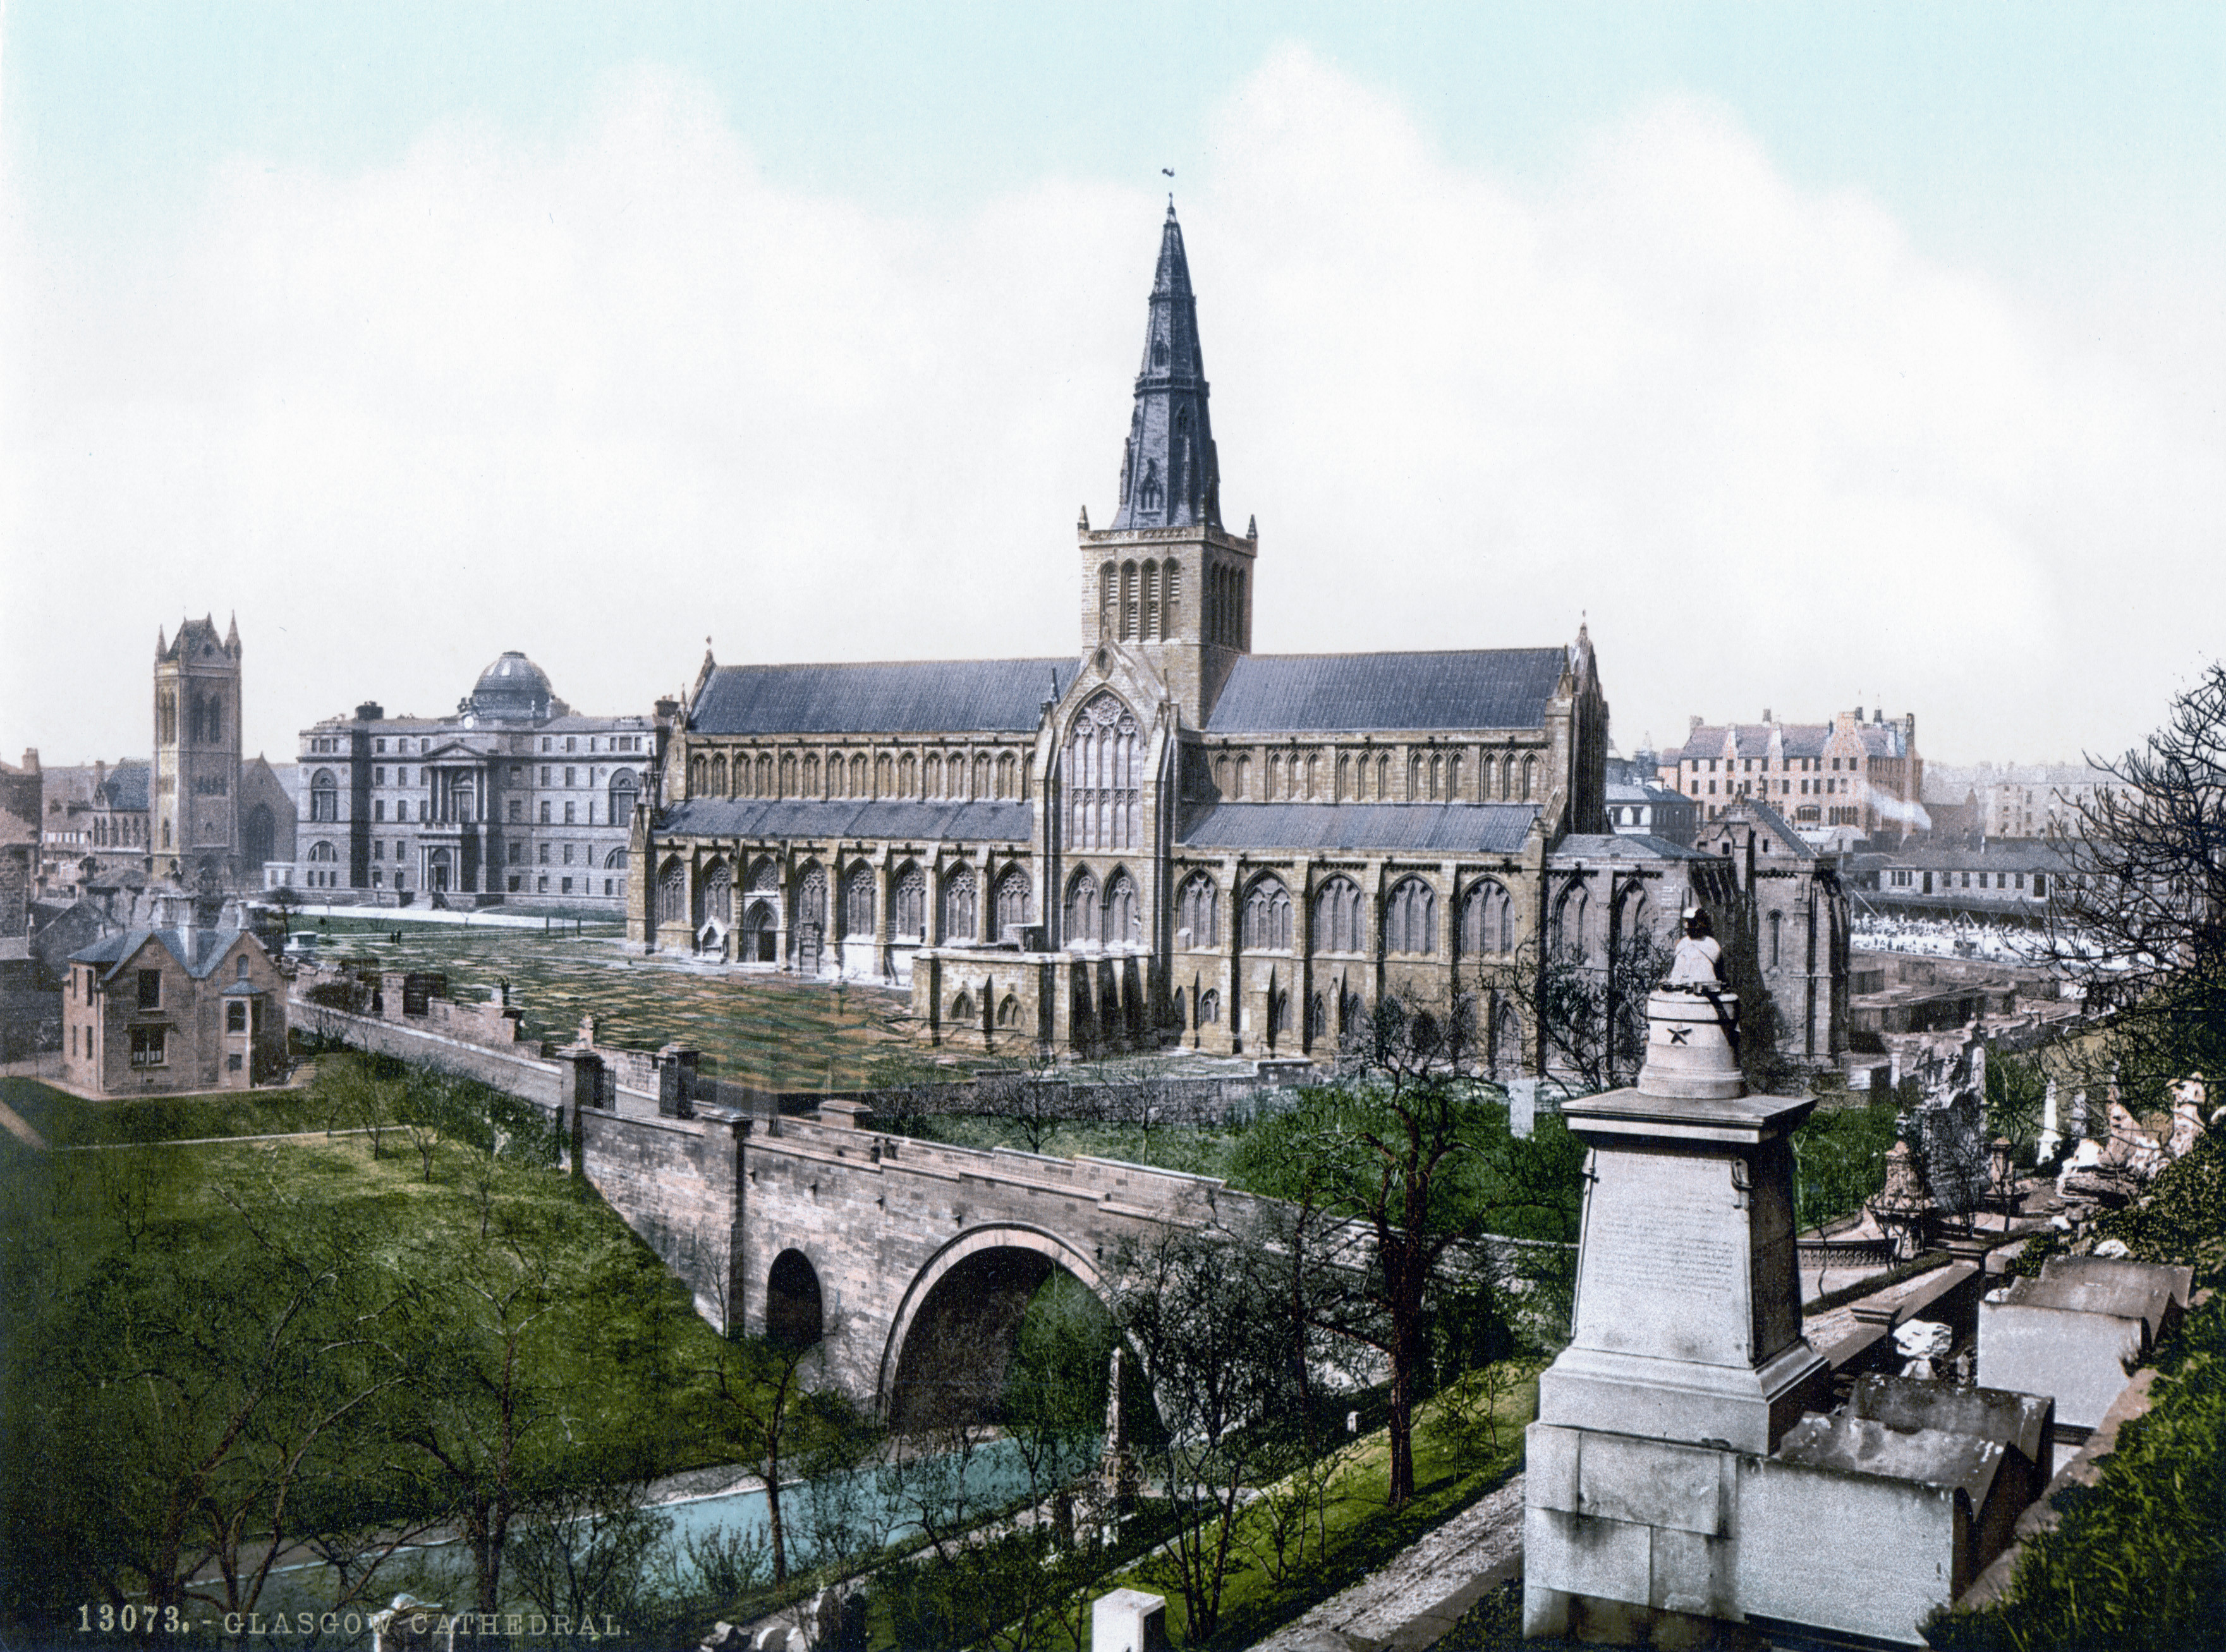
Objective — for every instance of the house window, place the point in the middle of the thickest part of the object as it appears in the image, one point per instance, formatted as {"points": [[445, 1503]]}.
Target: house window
{"points": [[545, 854], [567, 854], [148, 1045], [151, 989], [571, 776], [569, 818], [567, 886], [544, 813], [378, 809], [541, 885], [518, 854], [235, 1016]]}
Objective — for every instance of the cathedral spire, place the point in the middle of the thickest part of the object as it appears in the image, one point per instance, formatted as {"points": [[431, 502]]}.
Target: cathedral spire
{"points": [[1170, 474]]}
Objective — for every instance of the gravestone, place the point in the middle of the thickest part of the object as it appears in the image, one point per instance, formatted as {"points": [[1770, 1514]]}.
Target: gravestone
{"points": [[1686, 1350], [1522, 1108]]}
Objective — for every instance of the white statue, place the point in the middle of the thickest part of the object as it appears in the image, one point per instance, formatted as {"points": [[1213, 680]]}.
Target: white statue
{"points": [[1699, 964]]}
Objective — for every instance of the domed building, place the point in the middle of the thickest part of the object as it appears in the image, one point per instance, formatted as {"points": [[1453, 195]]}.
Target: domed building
{"points": [[514, 799]]}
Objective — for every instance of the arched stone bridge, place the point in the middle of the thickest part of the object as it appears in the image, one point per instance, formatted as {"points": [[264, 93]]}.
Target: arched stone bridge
{"points": [[914, 1260]]}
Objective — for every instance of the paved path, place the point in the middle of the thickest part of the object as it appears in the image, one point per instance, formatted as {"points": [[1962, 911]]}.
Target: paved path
{"points": [[17, 1126], [1418, 1595]]}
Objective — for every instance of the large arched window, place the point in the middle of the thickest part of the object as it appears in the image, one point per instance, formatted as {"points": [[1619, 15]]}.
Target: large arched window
{"points": [[858, 903], [672, 892], [1198, 910], [324, 796], [615, 860], [715, 895], [322, 854], [811, 907], [1103, 757], [623, 789], [959, 922], [1082, 914], [1123, 914], [718, 788], [1487, 918], [908, 905], [1016, 901], [1410, 918], [1569, 922], [1340, 923], [1268, 916]]}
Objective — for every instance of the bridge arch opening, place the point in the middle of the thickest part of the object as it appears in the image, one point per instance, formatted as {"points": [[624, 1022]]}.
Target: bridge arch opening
{"points": [[795, 1312], [1004, 1325]]}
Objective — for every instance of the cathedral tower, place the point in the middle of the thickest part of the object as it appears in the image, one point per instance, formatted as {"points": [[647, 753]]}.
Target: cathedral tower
{"points": [[1166, 580], [195, 789]]}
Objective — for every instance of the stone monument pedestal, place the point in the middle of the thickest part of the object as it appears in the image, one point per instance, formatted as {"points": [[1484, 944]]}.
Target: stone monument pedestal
{"points": [[1686, 1352]]}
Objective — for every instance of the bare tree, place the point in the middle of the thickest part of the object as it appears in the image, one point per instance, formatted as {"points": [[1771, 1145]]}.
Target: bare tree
{"points": [[2138, 917]]}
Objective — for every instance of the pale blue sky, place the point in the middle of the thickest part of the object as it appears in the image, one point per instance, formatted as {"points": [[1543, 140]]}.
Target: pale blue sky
{"points": [[2018, 132], [1822, 354]]}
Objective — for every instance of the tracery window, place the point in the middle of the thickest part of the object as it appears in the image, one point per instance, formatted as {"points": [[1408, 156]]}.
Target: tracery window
{"points": [[812, 896], [858, 903], [1487, 918], [715, 895], [1410, 918], [1082, 913], [764, 876], [1104, 810], [908, 903], [1268, 916], [1569, 922], [1198, 910], [1017, 901], [1340, 923], [1123, 916], [959, 922], [672, 892]]}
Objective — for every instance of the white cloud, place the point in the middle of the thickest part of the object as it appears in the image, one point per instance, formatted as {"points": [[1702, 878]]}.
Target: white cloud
{"points": [[597, 399]]}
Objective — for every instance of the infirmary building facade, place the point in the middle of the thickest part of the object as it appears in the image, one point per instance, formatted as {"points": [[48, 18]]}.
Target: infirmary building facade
{"points": [[1163, 835], [516, 798]]}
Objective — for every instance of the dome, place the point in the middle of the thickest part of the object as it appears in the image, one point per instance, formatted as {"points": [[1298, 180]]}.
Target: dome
{"points": [[512, 687]]}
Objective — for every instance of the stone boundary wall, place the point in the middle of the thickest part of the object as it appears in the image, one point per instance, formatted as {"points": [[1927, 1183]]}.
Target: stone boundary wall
{"points": [[526, 1076]]}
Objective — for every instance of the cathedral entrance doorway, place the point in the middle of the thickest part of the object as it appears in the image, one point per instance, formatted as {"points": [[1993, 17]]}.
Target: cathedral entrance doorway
{"points": [[760, 934]]}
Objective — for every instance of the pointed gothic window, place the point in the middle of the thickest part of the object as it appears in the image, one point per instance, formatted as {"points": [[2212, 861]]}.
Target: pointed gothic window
{"points": [[1268, 916], [1339, 922], [1410, 918], [1123, 916], [1487, 918], [1081, 909], [1149, 492], [1101, 765], [714, 902], [858, 904], [1017, 902], [672, 892], [908, 905], [958, 920], [1198, 911]]}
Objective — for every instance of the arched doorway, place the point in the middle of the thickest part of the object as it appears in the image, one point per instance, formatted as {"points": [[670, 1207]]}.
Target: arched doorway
{"points": [[436, 865], [760, 934], [795, 1317]]}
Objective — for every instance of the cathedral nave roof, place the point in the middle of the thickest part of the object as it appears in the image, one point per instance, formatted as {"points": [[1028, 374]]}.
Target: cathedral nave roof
{"points": [[1465, 689], [811, 818], [958, 697]]}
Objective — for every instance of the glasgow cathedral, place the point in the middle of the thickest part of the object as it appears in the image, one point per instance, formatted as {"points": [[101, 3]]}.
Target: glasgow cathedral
{"points": [[1164, 837]]}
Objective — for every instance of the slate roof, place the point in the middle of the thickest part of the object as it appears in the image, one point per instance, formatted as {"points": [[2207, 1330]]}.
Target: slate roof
{"points": [[1765, 816], [906, 697], [910, 820], [1795, 739], [1436, 827], [126, 786], [1480, 687], [207, 951]]}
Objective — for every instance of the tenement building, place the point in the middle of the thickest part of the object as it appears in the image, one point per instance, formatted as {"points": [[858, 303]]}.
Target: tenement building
{"points": [[515, 799], [1863, 777], [1162, 835]]}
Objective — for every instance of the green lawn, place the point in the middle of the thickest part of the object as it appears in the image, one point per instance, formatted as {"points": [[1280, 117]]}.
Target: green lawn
{"points": [[69, 1121], [1450, 1472], [769, 1031]]}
